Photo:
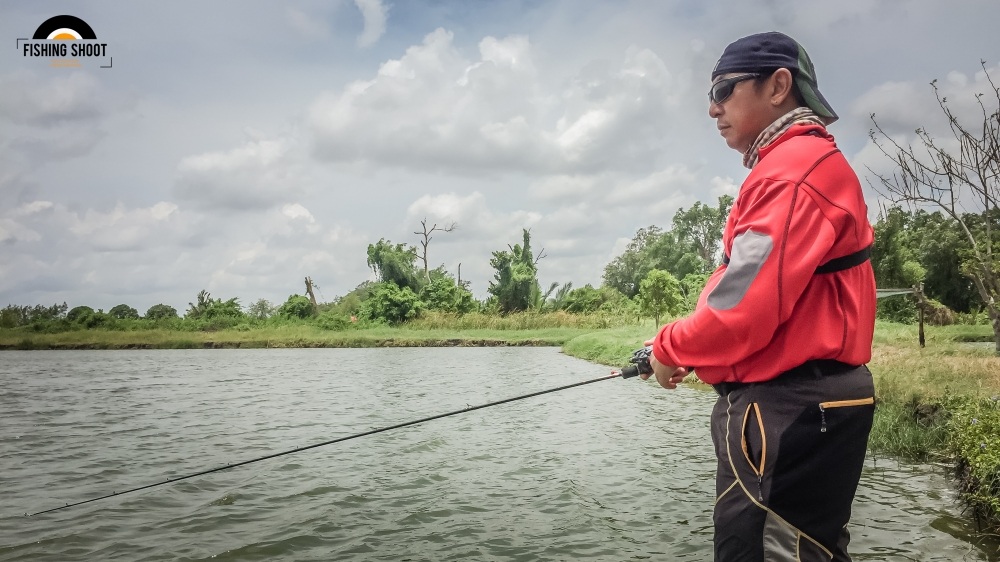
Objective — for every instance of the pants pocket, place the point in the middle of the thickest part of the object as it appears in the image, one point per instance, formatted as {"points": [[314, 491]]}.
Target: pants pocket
{"points": [[754, 444], [838, 405]]}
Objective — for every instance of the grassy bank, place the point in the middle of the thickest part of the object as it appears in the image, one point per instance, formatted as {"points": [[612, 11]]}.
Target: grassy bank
{"points": [[287, 336], [432, 329]]}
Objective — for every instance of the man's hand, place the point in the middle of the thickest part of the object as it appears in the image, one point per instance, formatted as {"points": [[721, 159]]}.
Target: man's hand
{"points": [[667, 375]]}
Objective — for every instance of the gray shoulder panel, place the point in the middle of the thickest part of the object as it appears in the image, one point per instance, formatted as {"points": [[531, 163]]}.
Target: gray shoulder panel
{"points": [[750, 251]]}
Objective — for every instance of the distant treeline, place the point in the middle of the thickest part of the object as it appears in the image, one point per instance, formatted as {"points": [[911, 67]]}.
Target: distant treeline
{"points": [[659, 275]]}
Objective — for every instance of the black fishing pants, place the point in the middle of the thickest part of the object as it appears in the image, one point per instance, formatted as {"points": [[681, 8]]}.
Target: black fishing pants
{"points": [[790, 453]]}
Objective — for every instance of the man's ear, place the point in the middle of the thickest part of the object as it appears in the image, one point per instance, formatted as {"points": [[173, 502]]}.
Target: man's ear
{"points": [[781, 86]]}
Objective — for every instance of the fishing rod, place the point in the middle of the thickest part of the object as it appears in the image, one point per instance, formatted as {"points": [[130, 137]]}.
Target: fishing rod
{"points": [[640, 365]]}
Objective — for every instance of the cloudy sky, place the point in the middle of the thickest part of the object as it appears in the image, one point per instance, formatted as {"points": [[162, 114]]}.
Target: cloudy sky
{"points": [[241, 146]]}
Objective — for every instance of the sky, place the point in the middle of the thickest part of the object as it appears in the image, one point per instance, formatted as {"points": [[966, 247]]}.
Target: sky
{"points": [[240, 146]]}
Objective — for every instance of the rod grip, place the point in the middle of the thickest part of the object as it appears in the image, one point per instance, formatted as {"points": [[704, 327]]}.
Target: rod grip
{"points": [[630, 371], [639, 363]]}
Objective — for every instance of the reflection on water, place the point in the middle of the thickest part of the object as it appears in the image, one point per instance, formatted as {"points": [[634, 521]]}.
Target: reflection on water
{"points": [[616, 470]]}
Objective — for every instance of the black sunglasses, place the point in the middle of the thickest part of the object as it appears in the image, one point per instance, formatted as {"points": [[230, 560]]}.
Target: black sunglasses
{"points": [[722, 89]]}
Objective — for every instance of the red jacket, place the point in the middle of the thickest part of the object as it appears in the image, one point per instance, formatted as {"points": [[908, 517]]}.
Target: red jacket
{"points": [[768, 310]]}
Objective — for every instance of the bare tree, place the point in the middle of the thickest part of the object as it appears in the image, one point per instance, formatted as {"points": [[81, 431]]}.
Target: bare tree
{"points": [[312, 296], [538, 258], [961, 180], [426, 233]]}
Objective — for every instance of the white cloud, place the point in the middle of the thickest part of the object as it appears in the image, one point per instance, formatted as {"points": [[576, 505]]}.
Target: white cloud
{"points": [[122, 229], [434, 109], [566, 187], [31, 99], [446, 207], [48, 119], [296, 211], [11, 231], [375, 14], [258, 175], [894, 105], [673, 184], [32, 208]]}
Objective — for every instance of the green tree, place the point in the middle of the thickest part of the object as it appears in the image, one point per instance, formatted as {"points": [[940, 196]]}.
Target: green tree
{"points": [[199, 308], [123, 311], [225, 309], [941, 246], [691, 246], [660, 294], [894, 254], [555, 297], [691, 288], [672, 254], [208, 308], [160, 311], [350, 304], [38, 314], [626, 271], [584, 300], [700, 228], [392, 304], [515, 285], [79, 313], [395, 264], [297, 306], [87, 317], [445, 294], [10, 317], [261, 309], [896, 264]]}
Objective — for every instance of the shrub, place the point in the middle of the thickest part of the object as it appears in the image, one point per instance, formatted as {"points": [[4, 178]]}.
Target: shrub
{"points": [[390, 303], [974, 429], [297, 306], [902, 310]]}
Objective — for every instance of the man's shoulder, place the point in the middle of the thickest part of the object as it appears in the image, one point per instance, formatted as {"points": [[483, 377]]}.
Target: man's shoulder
{"points": [[795, 151], [805, 140]]}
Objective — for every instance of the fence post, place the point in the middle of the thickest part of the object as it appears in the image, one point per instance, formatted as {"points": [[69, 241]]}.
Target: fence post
{"points": [[919, 290]]}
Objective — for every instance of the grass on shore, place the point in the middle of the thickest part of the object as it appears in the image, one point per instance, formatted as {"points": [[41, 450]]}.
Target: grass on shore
{"points": [[286, 336]]}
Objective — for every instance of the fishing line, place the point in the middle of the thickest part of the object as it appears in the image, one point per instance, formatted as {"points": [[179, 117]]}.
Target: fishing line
{"points": [[638, 358]]}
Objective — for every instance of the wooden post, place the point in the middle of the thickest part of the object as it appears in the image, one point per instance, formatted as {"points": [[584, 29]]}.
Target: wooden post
{"points": [[921, 305]]}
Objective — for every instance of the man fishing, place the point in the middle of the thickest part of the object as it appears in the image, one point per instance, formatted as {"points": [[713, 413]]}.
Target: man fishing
{"points": [[783, 328]]}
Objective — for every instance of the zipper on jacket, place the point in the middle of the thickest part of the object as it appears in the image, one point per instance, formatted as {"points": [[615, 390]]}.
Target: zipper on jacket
{"points": [[823, 406]]}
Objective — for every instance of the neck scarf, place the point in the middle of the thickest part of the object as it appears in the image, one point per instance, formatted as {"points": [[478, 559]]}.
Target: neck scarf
{"points": [[797, 116]]}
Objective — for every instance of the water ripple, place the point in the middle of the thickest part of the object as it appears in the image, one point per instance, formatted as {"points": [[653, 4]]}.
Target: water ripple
{"points": [[619, 470]]}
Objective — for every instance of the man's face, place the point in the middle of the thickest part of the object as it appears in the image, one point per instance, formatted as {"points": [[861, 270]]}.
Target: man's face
{"points": [[744, 113]]}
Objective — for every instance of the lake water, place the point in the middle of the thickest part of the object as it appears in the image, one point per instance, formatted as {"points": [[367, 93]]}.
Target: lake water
{"points": [[615, 470]]}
